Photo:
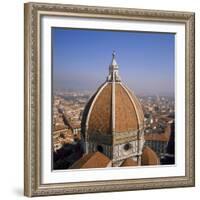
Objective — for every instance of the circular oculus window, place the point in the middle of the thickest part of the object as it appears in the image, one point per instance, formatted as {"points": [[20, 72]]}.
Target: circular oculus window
{"points": [[127, 146]]}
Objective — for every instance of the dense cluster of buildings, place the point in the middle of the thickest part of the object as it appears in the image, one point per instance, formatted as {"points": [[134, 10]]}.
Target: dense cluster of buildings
{"points": [[112, 127], [159, 124], [67, 114]]}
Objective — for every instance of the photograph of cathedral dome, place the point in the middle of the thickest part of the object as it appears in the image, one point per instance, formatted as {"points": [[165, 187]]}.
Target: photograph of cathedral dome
{"points": [[101, 122]]}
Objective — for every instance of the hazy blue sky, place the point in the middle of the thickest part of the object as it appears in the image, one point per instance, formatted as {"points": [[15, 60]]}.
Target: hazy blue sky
{"points": [[81, 59]]}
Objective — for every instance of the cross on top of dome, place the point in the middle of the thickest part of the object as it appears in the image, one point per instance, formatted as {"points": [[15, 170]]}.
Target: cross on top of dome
{"points": [[113, 70], [113, 53], [113, 62]]}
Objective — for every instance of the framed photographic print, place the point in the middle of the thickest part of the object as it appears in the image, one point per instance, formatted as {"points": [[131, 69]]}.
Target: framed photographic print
{"points": [[109, 99]]}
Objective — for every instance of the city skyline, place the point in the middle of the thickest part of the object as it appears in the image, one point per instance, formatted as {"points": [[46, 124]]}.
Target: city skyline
{"points": [[81, 59]]}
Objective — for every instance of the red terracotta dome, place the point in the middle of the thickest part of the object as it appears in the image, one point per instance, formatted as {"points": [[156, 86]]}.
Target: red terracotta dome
{"points": [[113, 108]]}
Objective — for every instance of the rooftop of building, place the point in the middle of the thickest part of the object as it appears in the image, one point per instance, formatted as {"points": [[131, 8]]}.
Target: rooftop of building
{"points": [[99, 160], [92, 160], [129, 162], [149, 157]]}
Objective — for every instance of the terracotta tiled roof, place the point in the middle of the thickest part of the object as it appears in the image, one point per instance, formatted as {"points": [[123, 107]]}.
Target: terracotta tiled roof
{"points": [[138, 106], [125, 112], [86, 111], [149, 157], [99, 110], [92, 160], [59, 127], [73, 125], [157, 137], [129, 162], [100, 116], [163, 137]]}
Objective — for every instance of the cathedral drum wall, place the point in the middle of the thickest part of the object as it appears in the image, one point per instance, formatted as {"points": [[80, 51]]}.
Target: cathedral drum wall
{"points": [[126, 150]]}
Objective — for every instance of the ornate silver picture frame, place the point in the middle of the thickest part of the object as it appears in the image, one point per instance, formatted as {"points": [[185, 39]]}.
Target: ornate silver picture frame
{"points": [[35, 182]]}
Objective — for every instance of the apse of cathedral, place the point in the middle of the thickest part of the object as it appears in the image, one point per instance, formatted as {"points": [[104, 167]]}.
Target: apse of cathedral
{"points": [[112, 127]]}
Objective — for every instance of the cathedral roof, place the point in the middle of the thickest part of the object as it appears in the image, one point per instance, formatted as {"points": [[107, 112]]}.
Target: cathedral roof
{"points": [[92, 160], [162, 137], [99, 160], [113, 108], [149, 157], [129, 162]]}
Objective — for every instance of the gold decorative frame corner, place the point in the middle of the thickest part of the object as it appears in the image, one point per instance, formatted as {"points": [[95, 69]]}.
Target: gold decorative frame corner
{"points": [[32, 174]]}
